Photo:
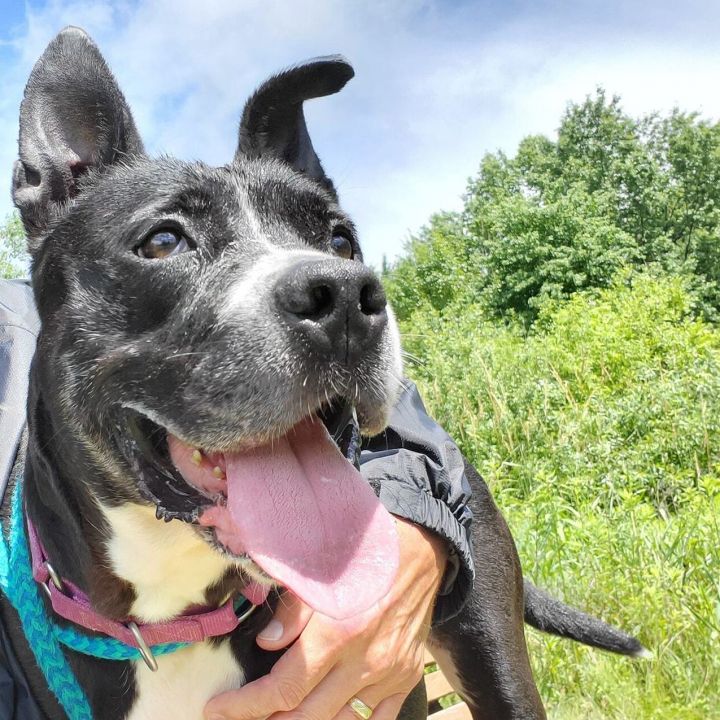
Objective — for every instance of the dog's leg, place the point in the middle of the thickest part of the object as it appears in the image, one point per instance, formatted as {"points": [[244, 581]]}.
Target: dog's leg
{"points": [[482, 651]]}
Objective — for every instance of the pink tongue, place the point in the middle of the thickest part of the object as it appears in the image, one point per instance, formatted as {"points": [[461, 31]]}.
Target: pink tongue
{"points": [[308, 519]]}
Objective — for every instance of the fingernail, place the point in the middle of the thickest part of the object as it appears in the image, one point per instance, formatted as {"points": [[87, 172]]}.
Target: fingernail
{"points": [[272, 631]]}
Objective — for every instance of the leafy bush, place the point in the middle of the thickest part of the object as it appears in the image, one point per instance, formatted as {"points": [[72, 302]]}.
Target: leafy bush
{"points": [[427, 280], [598, 432], [13, 256]]}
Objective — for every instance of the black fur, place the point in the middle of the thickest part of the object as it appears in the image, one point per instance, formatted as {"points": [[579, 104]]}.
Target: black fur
{"points": [[548, 614], [177, 343]]}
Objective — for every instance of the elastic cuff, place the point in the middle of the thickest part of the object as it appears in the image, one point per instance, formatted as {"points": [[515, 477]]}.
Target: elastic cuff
{"points": [[421, 508]]}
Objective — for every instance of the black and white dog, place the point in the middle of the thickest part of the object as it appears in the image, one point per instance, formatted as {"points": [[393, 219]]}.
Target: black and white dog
{"points": [[184, 307]]}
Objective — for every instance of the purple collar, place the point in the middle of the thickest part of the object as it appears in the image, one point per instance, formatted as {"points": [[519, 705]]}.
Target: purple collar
{"points": [[71, 603]]}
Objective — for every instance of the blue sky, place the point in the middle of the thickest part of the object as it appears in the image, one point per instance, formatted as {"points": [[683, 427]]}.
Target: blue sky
{"points": [[438, 84]]}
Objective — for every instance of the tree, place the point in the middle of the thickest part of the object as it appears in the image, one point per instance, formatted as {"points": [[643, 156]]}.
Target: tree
{"points": [[13, 255], [567, 214], [437, 271]]}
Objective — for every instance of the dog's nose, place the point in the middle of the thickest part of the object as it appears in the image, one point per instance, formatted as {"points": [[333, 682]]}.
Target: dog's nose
{"points": [[338, 306]]}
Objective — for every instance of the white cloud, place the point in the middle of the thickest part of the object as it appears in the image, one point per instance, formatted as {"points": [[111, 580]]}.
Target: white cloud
{"points": [[437, 84]]}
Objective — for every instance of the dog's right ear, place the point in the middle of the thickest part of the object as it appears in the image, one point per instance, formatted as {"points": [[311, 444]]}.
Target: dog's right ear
{"points": [[273, 122], [73, 118]]}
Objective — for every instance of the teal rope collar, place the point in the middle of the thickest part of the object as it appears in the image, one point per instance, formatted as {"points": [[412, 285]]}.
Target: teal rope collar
{"points": [[17, 582], [46, 638]]}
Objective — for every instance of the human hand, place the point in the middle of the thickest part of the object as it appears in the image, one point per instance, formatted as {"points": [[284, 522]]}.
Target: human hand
{"points": [[376, 656]]}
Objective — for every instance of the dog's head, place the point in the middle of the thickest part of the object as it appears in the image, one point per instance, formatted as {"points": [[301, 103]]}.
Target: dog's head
{"points": [[219, 307]]}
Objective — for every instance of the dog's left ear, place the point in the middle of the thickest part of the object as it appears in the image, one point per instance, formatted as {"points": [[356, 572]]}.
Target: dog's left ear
{"points": [[273, 122], [73, 117]]}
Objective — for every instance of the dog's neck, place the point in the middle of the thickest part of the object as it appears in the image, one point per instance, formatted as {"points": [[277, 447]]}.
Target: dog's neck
{"points": [[130, 564], [168, 565], [115, 550]]}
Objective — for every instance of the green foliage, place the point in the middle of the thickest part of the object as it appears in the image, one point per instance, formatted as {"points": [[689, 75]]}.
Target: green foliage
{"points": [[599, 434], [567, 215], [426, 279], [13, 257], [564, 329]]}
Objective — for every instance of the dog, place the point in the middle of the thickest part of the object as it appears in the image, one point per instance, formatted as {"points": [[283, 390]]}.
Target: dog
{"points": [[183, 307]]}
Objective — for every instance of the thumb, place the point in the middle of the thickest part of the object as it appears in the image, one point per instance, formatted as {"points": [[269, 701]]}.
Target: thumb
{"points": [[291, 617]]}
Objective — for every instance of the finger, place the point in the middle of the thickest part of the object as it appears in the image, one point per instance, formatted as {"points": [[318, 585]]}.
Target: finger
{"points": [[379, 701], [293, 676], [290, 618], [331, 696]]}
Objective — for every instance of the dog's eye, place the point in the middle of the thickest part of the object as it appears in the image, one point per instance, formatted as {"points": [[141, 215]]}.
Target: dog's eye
{"points": [[341, 244], [162, 244]]}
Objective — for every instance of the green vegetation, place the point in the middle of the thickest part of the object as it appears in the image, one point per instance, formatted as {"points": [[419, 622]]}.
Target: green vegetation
{"points": [[562, 330], [13, 258], [567, 215]]}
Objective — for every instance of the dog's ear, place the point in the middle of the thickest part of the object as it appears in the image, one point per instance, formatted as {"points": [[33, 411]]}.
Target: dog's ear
{"points": [[273, 122], [73, 118]]}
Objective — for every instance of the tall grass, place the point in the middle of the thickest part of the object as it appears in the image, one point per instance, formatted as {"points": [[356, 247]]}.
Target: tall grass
{"points": [[599, 436]]}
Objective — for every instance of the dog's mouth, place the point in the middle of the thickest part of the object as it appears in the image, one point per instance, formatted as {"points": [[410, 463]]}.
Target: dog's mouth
{"points": [[183, 492], [296, 506]]}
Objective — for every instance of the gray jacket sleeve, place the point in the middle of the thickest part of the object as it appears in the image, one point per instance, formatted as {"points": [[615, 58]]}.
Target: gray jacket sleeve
{"points": [[18, 330], [19, 327], [420, 475]]}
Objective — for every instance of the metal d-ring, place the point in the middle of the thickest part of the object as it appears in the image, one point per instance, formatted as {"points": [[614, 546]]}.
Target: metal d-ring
{"points": [[143, 647], [56, 579], [247, 613]]}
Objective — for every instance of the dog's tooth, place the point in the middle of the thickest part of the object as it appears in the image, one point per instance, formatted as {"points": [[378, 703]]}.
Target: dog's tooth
{"points": [[218, 472], [197, 457]]}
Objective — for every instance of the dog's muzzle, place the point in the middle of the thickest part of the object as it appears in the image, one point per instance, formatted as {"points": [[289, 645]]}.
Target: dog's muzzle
{"points": [[144, 445]]}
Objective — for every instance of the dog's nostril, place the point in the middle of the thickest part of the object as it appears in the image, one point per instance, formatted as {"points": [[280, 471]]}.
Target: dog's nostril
{"points": [[313, 302], [322, 301], [372, 299]]}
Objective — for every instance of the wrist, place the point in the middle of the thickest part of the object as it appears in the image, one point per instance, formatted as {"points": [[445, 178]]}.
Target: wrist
{"points": [[423, 549]]}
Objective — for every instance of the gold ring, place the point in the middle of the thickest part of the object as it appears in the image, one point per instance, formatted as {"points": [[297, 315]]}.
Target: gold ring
{"points": [[363, 711]]}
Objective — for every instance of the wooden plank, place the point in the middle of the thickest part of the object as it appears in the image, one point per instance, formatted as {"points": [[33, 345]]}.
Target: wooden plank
{"points": [[455, 712], [437, 685]]}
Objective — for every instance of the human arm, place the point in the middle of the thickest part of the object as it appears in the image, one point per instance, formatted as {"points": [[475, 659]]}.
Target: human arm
{"points": [[377, 656]]}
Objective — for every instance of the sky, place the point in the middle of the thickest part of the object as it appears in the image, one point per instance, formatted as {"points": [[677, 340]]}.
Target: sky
{"points": [[438, 83]]}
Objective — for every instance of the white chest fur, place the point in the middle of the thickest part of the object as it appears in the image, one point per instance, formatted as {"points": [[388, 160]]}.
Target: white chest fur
{"points": [[184, 682], [170, 567]]}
